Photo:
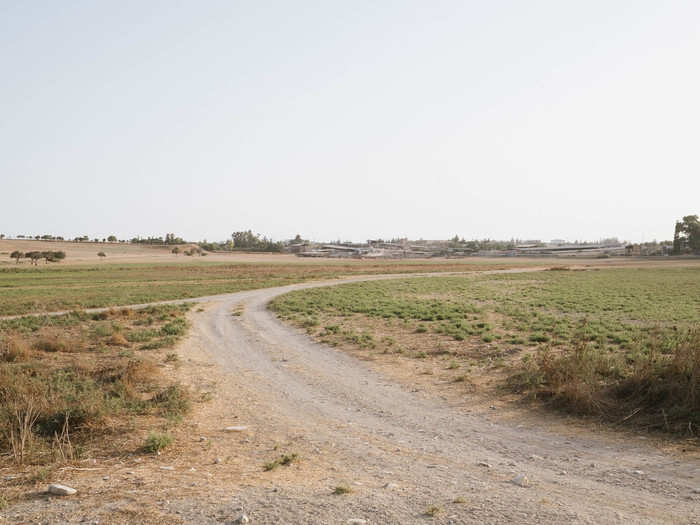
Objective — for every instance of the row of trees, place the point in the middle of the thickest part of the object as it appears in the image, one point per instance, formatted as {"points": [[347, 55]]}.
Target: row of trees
{"points": [[247, 240], [35, 257], [169, 239]]}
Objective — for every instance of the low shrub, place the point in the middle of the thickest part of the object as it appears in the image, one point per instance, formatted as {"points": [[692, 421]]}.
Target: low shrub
{"points": [[157, 441]]}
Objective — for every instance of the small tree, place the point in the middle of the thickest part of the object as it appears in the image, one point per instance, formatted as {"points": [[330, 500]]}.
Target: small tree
{"points": [[2, 236], [175, 250], [33, 257], [16, 255], [112, 238]]}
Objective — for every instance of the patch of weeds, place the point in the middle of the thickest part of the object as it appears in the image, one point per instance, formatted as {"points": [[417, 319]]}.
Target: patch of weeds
{"points": [[284, 460], [157, 441], [432, 511], [459, 499], [454, 365], [176, 327], [171, 358], [539, 337], [174, 401], [341, 489]]}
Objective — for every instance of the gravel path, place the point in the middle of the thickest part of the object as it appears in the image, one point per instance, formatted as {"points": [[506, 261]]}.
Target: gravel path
{"points": [[384, 433]]}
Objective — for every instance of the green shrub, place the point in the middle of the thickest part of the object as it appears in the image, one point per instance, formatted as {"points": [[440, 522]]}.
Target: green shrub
{"points": [[157, 441]]}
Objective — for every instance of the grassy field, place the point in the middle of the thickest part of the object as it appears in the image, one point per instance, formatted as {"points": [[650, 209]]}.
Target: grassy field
{"points": [[602, 342], [73, 385], [51, 288]]}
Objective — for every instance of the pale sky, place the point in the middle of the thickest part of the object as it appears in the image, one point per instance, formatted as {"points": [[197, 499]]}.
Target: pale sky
{"points": [[354, 119]]}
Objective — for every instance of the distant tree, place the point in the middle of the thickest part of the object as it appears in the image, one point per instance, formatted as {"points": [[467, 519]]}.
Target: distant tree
{"points": [[112, 238], [2, 236], [175, 250], [686, 237], [16, 255], [101, 255], [34, 257]]}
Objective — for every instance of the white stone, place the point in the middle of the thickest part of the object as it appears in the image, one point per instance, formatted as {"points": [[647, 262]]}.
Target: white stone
{"points": [[356, 521], [391, 486], [484, 464], [61, 490], [236, 428], [521, 480], [242, 519]]}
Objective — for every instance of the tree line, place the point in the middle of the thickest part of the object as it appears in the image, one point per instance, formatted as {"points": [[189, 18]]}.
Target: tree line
{"points": [[35, 257]]}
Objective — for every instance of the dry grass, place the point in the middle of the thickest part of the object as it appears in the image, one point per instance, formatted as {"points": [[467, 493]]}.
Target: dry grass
{"points": [[655, 385], [74, 382]]}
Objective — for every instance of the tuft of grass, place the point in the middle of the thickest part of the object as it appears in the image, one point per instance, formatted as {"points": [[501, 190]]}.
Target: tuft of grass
{"points": [[341, 490], [433, 510], [157, 441], [173, 401], [459, 499], [284, 460]]}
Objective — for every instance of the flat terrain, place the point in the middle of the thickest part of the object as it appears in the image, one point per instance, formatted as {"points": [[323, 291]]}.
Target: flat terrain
{"points": [[364, 437], [404, 452]]}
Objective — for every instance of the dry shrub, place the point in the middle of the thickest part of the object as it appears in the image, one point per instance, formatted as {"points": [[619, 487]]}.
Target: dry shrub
{"points": [[21, 403], [14, 349], [117, 340], [657, 386], [140, 372], [174, 401], [55, 340]]}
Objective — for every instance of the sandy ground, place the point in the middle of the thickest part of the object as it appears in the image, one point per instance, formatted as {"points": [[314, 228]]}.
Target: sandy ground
{"points": [[86, 253], [400, 447]]}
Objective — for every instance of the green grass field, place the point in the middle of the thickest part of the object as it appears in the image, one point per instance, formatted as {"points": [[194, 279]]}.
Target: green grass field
{"points": [[52, 288], [609, 328]]}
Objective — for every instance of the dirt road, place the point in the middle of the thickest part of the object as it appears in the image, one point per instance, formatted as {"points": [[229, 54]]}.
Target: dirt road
{"points": [[403, 453]]}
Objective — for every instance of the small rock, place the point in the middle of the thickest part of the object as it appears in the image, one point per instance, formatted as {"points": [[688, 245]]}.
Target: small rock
{"points": [[167, 468], [638, 472], [236, 428], [105, 478], [61, 490], [484, 464], [696, 491], [217, 461], [391, 486], [356, 521], [242, 519], [202, 439], [521, 480], [535, 457]]}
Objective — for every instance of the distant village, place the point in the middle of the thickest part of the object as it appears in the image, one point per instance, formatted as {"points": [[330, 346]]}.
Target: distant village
{"points": [[403, 248]]}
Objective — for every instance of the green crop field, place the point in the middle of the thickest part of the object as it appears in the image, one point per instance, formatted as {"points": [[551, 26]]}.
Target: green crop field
{"points": [[51, 288], [610, 329]]}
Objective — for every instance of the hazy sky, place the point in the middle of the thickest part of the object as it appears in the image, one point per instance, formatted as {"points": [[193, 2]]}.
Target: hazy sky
{"points": [[354, 119]]}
